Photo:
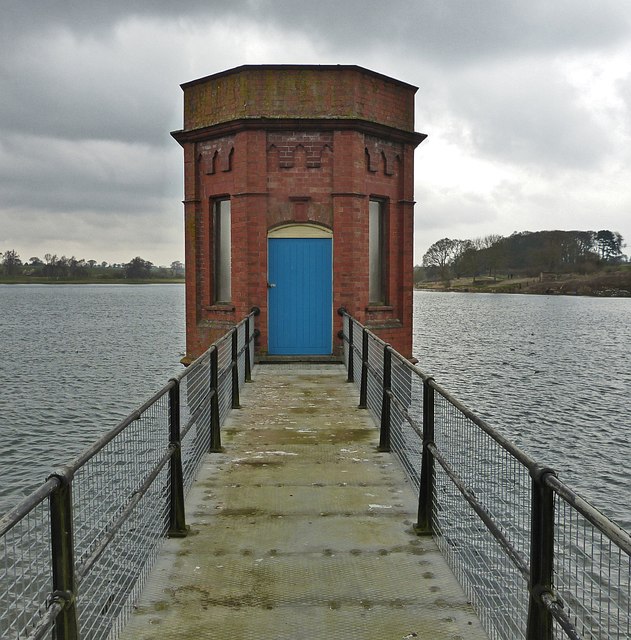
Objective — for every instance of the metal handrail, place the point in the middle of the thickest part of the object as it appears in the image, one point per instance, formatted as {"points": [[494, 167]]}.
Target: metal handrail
{"points": [[616, 534], [187, 408], [552, 569], [21, 510]]}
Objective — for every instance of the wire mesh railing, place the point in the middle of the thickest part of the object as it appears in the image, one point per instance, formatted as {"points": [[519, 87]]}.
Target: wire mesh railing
{"points": [[75, 554], [537, 561]]}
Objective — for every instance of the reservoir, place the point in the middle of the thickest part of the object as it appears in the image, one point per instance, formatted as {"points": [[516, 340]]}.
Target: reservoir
{"points": [[74, 360], [550, 372]]}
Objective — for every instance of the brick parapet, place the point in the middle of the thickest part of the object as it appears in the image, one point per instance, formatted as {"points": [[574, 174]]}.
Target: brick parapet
{"points": [[272, 91]]}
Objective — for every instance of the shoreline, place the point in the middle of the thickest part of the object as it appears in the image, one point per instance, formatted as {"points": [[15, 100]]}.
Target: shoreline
{"points": [[573, 294], [83, 281], [614, 284]]}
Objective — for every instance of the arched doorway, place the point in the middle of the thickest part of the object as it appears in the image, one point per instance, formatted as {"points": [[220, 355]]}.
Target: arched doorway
{"points": [[300, 290]]}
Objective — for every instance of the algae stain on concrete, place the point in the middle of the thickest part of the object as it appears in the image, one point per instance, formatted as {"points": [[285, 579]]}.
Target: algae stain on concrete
{"points": [[260, 462], [244, 512], [304, 410], [343, 435]]}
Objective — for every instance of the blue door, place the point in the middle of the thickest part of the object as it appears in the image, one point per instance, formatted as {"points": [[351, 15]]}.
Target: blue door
{"points": [[300, 296]]}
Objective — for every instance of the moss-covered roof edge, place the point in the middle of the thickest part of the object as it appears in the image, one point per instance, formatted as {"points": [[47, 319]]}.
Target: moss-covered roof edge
{"points": [[298, 67]]}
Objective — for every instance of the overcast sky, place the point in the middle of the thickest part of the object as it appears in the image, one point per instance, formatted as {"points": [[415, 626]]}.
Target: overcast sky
{"points": [[527, 105]]}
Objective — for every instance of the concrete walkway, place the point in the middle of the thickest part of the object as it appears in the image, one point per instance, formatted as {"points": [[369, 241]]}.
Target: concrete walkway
{"points": [[302, 530]]}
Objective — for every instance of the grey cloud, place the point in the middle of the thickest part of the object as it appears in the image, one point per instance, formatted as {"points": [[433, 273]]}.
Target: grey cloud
{"points": [[452, 30], [437, 209], [88, 89], [526, 112], [66, 176], [462, 31], [623, 88], [71, 76], [91, 17], [88, 97], [89, 235]]}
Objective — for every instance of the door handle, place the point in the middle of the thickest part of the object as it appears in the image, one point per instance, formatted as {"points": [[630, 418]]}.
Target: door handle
{"points": [[271, 285]]}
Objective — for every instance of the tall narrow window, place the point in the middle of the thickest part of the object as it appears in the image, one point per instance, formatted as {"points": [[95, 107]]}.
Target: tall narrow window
{"points": [[223, 251], [376, 250]]}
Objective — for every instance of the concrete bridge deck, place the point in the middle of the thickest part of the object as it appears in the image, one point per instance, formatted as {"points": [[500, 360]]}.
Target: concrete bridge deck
{"points": [[302, 530]]}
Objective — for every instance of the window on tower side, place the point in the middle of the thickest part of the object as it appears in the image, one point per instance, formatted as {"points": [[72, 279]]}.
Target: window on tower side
{"points": [[376, 251], [222, 252]]}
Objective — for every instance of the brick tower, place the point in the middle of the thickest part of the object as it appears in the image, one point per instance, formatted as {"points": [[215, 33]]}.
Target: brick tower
{"points": [[298, 185]]}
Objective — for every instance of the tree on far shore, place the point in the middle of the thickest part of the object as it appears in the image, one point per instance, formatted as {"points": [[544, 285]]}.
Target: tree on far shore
{"points": [[527, 253], [440, 256], [63, 268], [11, 262], [138, 269], [609, 245]]}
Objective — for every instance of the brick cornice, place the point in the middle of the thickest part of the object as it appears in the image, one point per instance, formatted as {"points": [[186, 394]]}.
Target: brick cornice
{"points": [[249, 194], [301, 124], [347, 194]]}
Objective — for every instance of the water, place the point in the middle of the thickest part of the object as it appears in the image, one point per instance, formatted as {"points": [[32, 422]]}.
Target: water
{"points": [[74, 360], [550, 372]]}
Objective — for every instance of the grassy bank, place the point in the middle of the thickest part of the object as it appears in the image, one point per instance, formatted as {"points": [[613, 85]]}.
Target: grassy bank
{"points": [[607, 283]]}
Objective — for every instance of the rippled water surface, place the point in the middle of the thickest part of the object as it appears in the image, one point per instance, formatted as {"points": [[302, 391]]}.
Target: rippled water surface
{"points": [[74, 360], [553, 373]]}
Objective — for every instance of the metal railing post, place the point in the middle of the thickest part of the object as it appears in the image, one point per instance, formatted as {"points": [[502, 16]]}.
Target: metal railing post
{"points": [[540, 618], [426, 490], [177, 520], [235, 369], [343, 313], [215, 431], [248, 363], [351, 355], [62, 553], [363, 389], [250, 337], [384, 432]]}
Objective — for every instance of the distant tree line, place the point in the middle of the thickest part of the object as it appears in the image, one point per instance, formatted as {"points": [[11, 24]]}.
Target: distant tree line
{"points": [[522, 253], [63, 268]]}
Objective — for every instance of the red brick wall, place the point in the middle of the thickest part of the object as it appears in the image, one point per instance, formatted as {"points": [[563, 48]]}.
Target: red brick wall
{"points": [[313, 171]]}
